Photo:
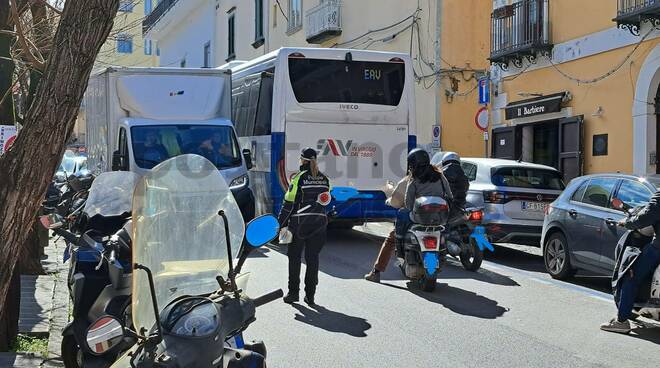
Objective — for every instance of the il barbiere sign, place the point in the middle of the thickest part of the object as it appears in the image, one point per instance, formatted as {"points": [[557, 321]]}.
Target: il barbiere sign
{"points": [[532, 107]]}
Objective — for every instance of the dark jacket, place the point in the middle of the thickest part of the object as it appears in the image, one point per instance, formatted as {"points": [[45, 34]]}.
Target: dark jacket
{"points": [[648, 216], [627, 250], [301, 211], [458, 182]]}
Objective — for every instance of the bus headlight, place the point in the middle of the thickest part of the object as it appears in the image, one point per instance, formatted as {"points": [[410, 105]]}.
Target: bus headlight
{"points": [[239, 182]]}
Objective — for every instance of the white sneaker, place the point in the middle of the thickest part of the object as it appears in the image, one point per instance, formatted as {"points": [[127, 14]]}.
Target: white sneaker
{"points": [[615, 326]]}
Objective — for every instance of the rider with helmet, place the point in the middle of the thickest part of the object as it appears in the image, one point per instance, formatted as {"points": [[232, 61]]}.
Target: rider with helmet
{"points": [[426, 180], [458, 181]]}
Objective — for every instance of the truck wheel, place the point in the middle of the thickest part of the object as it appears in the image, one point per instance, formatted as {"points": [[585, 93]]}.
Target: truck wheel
{"points": [[471, 256], [72, 356]]}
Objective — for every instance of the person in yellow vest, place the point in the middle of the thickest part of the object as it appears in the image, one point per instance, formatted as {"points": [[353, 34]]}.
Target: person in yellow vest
{"points": [[303, 214]]}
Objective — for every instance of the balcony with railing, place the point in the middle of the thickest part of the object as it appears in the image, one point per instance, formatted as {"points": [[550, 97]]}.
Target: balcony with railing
{"points": [[520, 31], [156, 14], [323, 21], [632, 13]]}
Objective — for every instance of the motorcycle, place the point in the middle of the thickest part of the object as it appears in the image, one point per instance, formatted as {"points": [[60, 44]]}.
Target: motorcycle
{"points": [[100, 275], [422, 249], [632, 242], [189, 306]]}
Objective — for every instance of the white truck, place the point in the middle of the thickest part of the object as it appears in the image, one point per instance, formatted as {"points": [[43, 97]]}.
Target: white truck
{"points": [[139, 117]]}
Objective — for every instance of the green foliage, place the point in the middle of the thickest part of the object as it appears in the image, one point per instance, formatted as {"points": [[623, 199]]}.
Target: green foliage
{"points": [[29, 344]]}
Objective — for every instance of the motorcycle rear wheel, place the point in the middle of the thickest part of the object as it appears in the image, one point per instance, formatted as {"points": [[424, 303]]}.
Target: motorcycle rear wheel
{"points": [[427, 283], [71, 353], [471, 256]]}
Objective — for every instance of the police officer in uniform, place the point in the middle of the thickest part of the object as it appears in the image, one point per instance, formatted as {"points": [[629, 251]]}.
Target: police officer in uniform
{"points": [[305, 217]]}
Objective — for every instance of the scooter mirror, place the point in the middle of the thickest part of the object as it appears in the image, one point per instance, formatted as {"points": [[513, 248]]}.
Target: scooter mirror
{"points": [[52, 221], [104, 334], [262, 230]]}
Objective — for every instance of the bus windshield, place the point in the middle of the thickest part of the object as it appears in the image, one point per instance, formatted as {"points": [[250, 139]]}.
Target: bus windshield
{"points": [[155, 144], [367, 82]]}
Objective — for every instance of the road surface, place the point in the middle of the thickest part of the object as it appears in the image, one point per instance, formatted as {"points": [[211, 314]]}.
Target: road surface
{"points": [[509, 314]]}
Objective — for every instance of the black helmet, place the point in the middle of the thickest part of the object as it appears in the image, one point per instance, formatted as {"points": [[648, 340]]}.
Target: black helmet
{"points": [[308, 154], [418, 158]]}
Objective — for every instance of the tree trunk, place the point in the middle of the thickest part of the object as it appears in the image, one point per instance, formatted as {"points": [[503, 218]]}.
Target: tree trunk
{"points": [[8, 321], [12, 306], [29, 165], [33, 249], [7, 116]]}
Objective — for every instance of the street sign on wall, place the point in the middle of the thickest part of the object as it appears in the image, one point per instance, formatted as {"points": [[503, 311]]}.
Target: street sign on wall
{"points": [[7, 137], [483, 85], [436, 136], [481, 119]]}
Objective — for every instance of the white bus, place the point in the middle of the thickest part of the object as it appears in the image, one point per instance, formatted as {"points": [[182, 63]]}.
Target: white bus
{"points": [[355, 107]]}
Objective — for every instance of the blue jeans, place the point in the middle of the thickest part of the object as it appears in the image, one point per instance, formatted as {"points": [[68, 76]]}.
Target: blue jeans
{"points": [[644, 266], [402, 222]]}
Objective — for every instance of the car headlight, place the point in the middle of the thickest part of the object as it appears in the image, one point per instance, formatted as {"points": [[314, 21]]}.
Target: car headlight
{"points": [[239, 182]]}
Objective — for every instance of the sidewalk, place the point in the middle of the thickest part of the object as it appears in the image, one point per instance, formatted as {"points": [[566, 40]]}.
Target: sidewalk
{"points": [[44, 310]]}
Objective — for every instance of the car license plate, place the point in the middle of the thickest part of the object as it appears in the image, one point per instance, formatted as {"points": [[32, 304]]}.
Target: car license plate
{"points": [[533, 206]]}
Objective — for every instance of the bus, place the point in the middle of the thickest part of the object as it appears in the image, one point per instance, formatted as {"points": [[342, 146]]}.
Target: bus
{"points": [[355, 107]]}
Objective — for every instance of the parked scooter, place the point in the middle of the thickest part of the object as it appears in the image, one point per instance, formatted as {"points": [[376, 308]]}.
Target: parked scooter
{"points": [[99, 274], [422, 249], [188, 304], [647, 303]]}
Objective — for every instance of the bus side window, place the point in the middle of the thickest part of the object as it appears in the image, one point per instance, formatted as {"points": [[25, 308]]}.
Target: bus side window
{"points": [[265, 106], [238, 97]]}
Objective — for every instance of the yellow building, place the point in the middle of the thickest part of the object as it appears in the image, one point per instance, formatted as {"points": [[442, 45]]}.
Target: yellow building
{"points": [[125, 46], [246, 29], [574, 84]]}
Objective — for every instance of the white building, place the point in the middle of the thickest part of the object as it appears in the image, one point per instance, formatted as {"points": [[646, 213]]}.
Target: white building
{"points": [[198, 33]]}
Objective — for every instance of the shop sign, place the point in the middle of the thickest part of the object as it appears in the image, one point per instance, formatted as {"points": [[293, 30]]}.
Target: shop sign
{"points": [[533, 107]]}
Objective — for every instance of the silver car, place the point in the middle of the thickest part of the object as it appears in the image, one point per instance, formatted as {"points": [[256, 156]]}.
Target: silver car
{"points": [[514, 196], [580, 232]]}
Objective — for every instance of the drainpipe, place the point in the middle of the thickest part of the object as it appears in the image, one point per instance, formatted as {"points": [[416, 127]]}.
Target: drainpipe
{"points": [[438, 66]]}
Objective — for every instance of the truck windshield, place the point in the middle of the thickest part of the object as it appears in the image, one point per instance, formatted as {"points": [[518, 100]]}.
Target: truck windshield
{"points": [[154, 144]]}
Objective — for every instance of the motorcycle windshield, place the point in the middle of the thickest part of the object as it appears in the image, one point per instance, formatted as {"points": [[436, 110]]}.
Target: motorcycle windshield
{"points": [[111, 194], [178, 233]]}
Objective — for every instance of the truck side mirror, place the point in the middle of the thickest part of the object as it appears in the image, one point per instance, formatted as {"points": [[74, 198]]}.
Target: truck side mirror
{"points": [[247, 156], [118, 162]]}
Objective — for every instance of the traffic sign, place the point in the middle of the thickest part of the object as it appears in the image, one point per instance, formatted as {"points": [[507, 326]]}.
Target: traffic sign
{"points": [[483, 84], [436, 136], [481, 119]]}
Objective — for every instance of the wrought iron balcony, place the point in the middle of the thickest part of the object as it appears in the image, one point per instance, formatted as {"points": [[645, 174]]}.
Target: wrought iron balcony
{"points": [[156, 14], [520, 31], [323, 21], [632, 13]]}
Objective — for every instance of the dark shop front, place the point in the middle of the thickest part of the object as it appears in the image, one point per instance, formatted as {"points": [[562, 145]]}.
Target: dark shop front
{"points": [[542, 132]]}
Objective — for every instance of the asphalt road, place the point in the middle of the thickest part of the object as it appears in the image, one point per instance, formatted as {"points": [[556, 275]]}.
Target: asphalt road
{"points": [[508, 314]]}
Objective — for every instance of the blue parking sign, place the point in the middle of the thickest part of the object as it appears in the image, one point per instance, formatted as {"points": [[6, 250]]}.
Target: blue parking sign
{"points": [[484, 90]]}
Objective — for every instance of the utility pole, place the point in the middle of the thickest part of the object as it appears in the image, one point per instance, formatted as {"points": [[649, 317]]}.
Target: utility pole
{"points": [[437, 66]]}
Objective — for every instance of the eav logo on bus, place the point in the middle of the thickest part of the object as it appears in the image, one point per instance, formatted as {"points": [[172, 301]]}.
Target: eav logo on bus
{"points": [[336, 146]]}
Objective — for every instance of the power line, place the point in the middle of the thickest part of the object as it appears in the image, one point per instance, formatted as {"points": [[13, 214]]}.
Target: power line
{"points": [[608, 73]]}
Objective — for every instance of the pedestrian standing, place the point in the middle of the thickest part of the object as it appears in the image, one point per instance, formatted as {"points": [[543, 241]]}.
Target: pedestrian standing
{"points": [[303, 212], [396, 200]]}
